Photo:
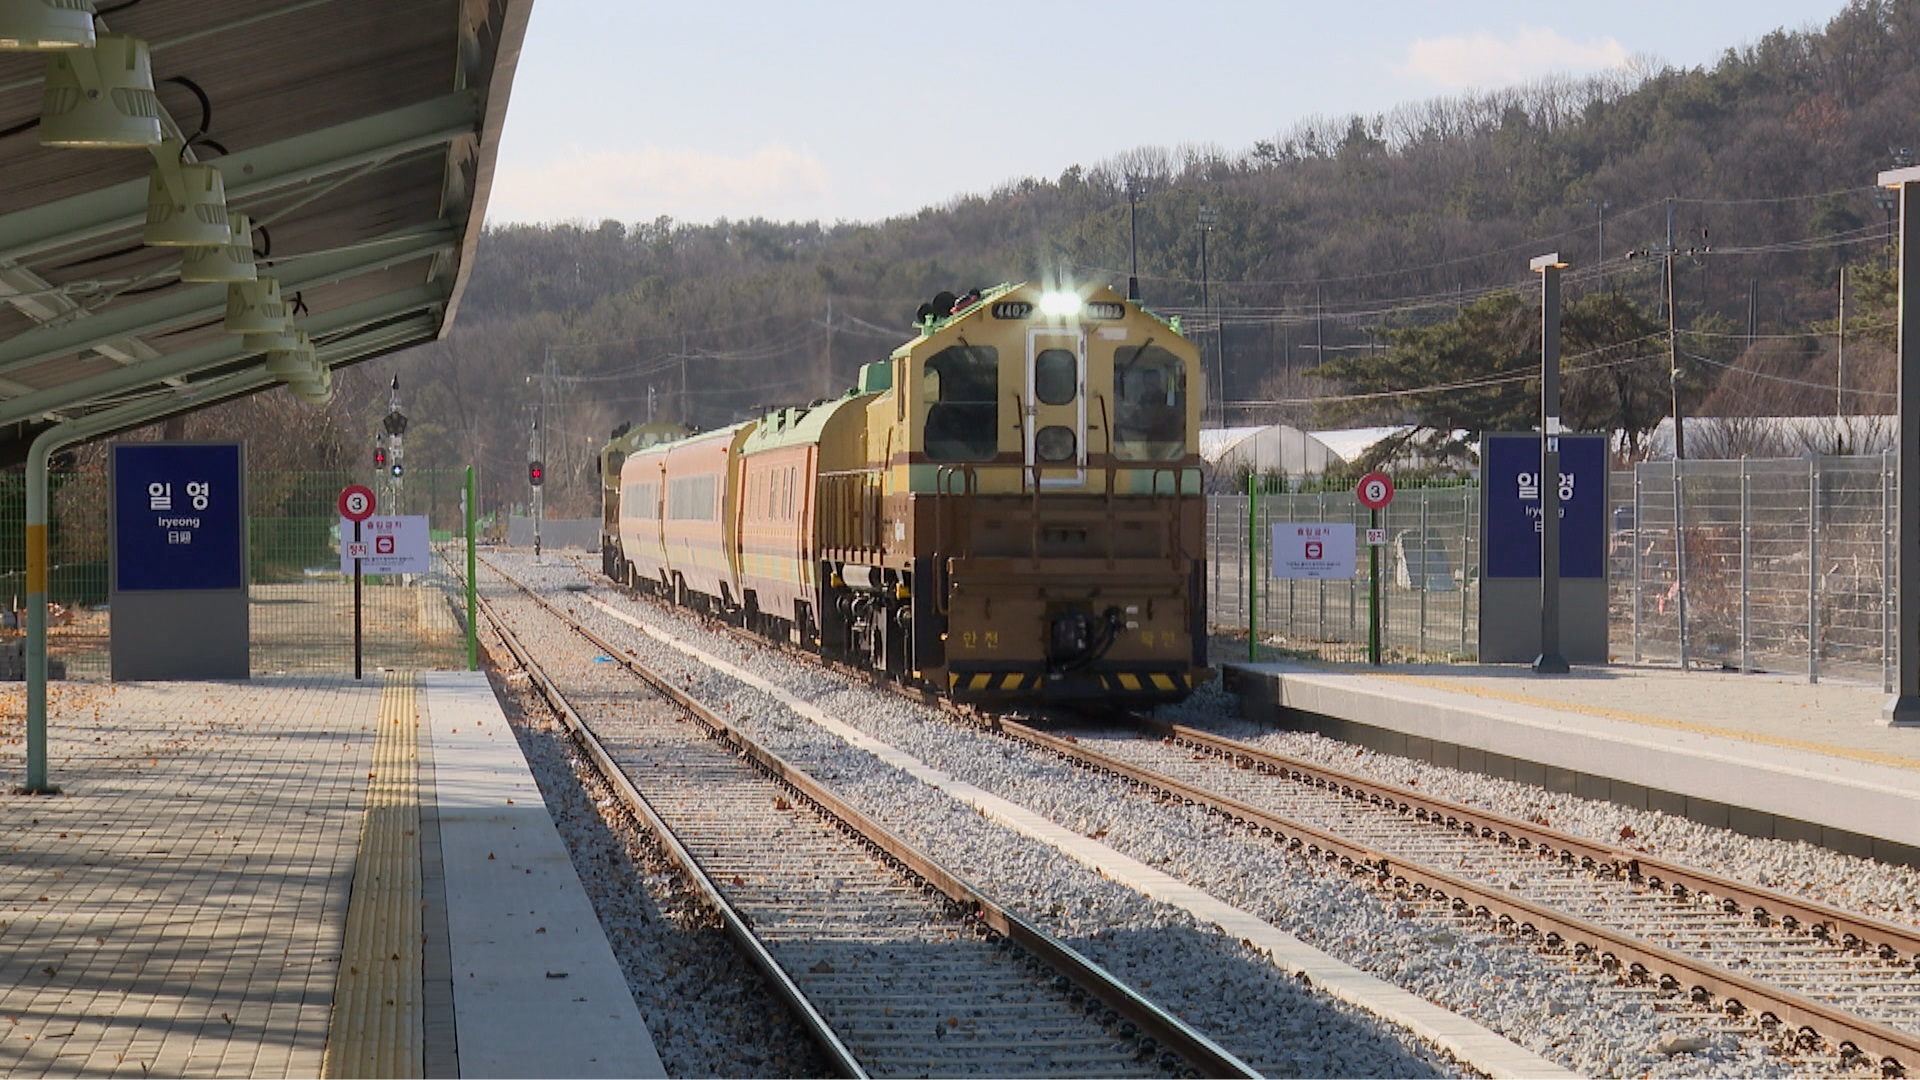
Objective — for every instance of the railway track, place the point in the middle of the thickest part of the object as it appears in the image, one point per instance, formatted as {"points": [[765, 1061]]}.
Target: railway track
{"points": [[895, 964], [1817, 976]]}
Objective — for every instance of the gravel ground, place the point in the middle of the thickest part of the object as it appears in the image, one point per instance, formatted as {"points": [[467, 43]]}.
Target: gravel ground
{"points": [[708, 1011], [1568, 1012]]}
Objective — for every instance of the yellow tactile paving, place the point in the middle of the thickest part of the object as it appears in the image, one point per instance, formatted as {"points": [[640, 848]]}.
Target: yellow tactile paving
{"points": [[378, 1020], [178, 910]]}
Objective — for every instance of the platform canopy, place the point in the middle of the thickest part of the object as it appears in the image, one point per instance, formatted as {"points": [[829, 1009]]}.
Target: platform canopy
{"points": [[357, 135]]}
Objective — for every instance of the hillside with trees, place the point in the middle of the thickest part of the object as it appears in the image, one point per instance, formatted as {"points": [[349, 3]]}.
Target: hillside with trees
{"points": [[1363, 269]]}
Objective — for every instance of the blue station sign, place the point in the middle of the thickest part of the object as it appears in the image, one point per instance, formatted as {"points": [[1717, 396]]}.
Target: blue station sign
{"points": [[179, 516], [1510, 484]]}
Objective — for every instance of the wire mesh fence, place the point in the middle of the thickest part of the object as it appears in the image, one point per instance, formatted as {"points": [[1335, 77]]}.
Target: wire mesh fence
{"points": [[1778, 565], [300, 605], [1783, 565], [1428, 565]]}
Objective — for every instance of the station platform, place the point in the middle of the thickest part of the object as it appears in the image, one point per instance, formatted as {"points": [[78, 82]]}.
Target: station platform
{"points": [[296, 876], [1760, 754]]}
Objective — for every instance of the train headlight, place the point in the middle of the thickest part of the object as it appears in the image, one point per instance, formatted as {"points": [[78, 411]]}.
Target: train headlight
{"points": [[1060, 305], [1054, 443]]}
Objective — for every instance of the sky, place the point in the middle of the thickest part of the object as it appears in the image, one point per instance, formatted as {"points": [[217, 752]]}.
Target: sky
{"points": [[860, 110]]}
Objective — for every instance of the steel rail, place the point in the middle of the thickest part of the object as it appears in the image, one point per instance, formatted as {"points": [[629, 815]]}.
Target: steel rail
{"points": [[1638, 960], [749, 943], [1849, 1033], [1854, 931], [1206, 1056]]}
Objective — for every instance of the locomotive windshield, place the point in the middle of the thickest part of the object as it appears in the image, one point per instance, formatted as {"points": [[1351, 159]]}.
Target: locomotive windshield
{"points": [[1150, 415], [961, 385]]}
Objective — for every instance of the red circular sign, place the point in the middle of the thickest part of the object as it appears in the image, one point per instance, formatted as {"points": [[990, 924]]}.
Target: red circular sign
{"points": [[1375, 490], [356, 502]]}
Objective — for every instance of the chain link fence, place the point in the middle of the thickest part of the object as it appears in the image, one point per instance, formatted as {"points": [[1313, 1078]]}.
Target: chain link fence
{"points": [[300, 605], [1777, 565]]}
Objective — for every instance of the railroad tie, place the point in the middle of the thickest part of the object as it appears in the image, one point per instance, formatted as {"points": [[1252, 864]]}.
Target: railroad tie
{"points": [[377, 1027]]}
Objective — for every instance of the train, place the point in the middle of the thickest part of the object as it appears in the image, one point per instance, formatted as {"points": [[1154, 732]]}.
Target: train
{"points": [[1008, 508]]}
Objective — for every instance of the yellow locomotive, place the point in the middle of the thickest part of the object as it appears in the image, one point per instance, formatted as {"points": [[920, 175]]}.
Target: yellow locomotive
{"points": [[1009, 507]]}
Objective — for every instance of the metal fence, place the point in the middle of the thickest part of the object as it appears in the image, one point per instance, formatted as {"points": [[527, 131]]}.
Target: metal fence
{"points": [[300, 606], [1782, 565], [1429, 605], [1779, 565]]}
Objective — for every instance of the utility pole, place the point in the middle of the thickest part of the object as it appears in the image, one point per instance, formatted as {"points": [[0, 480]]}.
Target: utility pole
{"points": [[1840, 376], [1601, 206], [1666, 253]]}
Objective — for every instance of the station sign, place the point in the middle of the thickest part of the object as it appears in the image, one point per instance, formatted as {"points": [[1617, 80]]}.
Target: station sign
{"points": [[179, 516], [1313, 551], [398, 544], [1510, 484]]}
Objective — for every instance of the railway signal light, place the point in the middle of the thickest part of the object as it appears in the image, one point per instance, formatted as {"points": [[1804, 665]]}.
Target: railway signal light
{"points": [[380, 455], [395, 470], [536, 473]]}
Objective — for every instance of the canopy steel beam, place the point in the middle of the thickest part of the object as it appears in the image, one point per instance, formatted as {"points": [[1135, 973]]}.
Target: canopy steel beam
{"points": [[187, 305], [208, 357], [248, 173]]}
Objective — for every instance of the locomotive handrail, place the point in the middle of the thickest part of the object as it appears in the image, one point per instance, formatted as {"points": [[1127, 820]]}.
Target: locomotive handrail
{"points": [[1113, 473]]}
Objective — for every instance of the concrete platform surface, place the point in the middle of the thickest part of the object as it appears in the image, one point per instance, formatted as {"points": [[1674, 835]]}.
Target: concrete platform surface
{"points": [[180, 907], [1764, 754]]}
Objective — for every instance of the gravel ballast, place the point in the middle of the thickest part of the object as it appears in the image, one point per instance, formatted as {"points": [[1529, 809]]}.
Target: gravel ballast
{"points": [[1569, 1012]]}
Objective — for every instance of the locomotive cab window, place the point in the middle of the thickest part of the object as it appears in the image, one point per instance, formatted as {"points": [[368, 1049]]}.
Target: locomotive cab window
{"points": [[1056, 377], [961, 385], [1150, 410]]}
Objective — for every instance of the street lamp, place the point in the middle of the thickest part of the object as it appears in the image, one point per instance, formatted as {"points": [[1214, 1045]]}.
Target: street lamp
{"points": [[1550, 661], [1208, 216], [1904, 708], [1134, 188]]}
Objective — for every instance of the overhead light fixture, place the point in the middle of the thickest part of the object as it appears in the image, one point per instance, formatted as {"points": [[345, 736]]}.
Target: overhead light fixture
{"points": [[101, 97], [231, 261], [186, 204], [255, 307], [316, 389], [293, 358], [46, 24], [286, 339]]}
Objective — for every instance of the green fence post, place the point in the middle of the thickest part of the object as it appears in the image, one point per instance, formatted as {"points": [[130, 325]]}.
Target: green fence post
{"points": [[1253, 568], [473, 629]]}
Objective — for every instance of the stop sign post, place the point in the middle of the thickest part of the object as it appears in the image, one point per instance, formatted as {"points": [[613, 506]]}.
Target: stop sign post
{"points": [[356, 505], [1374, 491]]}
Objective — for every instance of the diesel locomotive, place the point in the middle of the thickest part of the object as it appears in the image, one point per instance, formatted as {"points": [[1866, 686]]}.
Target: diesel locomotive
{"points": [[1008, 507]]}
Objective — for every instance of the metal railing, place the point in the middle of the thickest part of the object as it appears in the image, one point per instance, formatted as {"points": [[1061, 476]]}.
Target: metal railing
{"points": [[1778, 565]]}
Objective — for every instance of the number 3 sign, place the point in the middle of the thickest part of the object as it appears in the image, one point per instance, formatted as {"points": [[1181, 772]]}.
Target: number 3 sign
{"points": [[1375, 491]]}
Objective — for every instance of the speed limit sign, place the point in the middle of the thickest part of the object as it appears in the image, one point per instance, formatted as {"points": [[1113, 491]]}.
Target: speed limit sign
{"points": [[1375, 491], [356, 502]]}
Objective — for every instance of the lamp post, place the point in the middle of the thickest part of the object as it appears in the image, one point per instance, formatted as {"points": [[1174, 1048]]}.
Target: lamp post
{"points": [[1133, 239], [1904, 708], [1550, 661], [1208, 216]]}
